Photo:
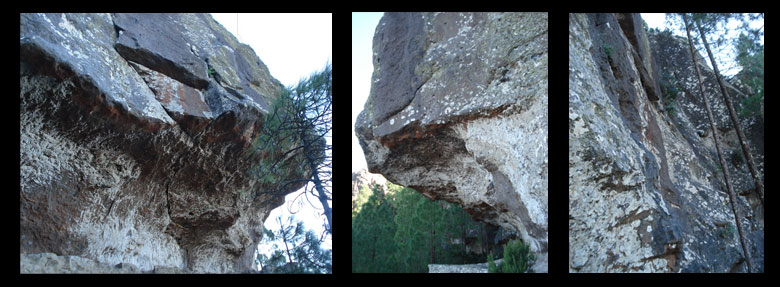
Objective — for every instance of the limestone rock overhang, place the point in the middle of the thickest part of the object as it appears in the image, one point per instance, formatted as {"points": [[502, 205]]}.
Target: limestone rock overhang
{"points": [[458, 111], [139, 156]]}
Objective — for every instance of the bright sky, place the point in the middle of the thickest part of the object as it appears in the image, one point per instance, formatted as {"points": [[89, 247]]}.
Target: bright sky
{"points": [[363, 25], [723, 56], [292, 46]]}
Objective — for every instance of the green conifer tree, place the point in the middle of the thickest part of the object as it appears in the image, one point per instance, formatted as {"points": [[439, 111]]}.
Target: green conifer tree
{"points": [[297, 250], [517, 259], [372, 235], [294, 143]]}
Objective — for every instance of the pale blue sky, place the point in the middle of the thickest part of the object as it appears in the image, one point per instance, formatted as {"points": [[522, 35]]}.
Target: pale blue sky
{"points": [[363, 25]]}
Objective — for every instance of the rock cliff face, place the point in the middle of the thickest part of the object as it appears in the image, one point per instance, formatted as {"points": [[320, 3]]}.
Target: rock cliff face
{"points": [[645, 190], [458, 111], [134, 129]]}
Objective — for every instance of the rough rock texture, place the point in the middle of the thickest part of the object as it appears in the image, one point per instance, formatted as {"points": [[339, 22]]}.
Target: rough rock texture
{"points": [[133, 137], [461, 268], [52, 263], [645, 190], [458, 111]]}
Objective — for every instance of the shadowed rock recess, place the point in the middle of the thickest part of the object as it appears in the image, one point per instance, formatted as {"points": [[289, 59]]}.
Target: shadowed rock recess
{"points": [[134, 132], [458, 111], [646, 191]]}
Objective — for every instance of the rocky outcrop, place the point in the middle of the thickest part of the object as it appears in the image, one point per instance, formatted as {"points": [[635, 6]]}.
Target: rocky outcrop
{"points": [[363, 178], [645, 190], [461, 268], [52, 263], [458, 111], [134, 132]]}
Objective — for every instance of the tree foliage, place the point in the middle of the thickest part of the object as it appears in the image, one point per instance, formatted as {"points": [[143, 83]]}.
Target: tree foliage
{"points": [[492, 268], [403, 231], [372, 235], [296, 250], [517, 258], [750, 56], [362, 197], [670, 92], [294, 143], [718, 28]]}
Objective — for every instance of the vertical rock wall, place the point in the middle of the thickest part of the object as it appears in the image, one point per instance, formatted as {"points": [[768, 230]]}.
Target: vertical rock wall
{"points": [[645, 192]]}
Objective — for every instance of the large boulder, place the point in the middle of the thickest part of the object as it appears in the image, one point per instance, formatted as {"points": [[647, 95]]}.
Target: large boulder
{"points": [[645, 190], [458, 111], [134, 132]]}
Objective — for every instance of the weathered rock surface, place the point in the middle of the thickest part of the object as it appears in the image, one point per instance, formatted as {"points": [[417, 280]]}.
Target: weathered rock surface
{"points": [[468, 268], [458, 111], [645, 192], [52, 263], [133, 137], [461, 268]]}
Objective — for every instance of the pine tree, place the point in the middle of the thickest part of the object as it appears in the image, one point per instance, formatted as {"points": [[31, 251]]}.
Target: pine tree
{"points": [[372, 235], [300, 250], [517, 259], [750, 56], [363, 194], [294, 142], [410, 233], [426, 231], [420, 232]]}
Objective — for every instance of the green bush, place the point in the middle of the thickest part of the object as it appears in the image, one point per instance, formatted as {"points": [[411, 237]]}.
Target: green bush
{"points": [[670, 93], [667, 33], [736, 157], [750, 106], [517, 259], [728, 231], [491, 265], [607, 50], [670, 107]]}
